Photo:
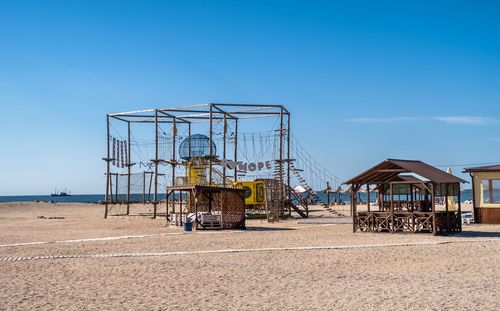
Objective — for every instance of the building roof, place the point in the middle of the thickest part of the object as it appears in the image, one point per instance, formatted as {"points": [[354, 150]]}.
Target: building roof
{"points": [[489, 168], [390, 170]]}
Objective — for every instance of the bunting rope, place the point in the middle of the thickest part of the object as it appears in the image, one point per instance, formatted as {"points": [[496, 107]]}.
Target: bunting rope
{"points": [[114, 151]]}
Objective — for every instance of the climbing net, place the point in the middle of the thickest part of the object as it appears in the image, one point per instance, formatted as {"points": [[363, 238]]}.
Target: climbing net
{"points": [[310, 173]]}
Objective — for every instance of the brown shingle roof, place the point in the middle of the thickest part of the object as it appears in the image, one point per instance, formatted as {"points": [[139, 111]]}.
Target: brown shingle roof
{"points": [[389, 170]]}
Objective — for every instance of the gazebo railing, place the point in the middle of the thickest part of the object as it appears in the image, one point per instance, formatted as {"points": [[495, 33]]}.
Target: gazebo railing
{"points": [[446, 222]]}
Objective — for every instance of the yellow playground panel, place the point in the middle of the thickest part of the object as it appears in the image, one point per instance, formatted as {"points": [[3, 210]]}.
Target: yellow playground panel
{"points": [[254, 192]]}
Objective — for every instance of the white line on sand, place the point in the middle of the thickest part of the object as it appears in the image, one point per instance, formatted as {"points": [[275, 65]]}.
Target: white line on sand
{"points": [[243, 250], [122, 237], [111, 238]]}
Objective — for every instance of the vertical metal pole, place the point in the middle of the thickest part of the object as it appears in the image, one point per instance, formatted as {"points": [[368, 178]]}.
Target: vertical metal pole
{"points": [[173, 207], [129, 168], [236, 150], [180, 207], [328, 193], [281, 192], [189, 138], [210, 141], [156, 165], [224, 135], [116, 187], [167, 194], [174, 135], [111, 198], [189, 164], [193, 194], [108, 179], [143, 187], [288, 160]]}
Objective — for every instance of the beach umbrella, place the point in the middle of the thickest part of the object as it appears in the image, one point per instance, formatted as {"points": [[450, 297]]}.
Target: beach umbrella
{"points": [[299, 189], [328, 190], [339, 191]]}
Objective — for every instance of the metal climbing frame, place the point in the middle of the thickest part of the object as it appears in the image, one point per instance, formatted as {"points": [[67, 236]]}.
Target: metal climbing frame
{"points": [[188, 116]]}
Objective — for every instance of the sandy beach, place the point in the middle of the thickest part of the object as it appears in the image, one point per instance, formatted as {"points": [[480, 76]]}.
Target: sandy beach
{"points": [[78, 260]]}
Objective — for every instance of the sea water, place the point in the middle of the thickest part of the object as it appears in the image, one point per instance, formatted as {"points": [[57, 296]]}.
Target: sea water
{"points": [[96, 198]]}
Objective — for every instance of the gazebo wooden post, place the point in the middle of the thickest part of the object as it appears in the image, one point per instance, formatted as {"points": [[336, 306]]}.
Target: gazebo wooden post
{"points": [[460, 210], [392, 207], [368, 194], [353, 208], [353, 199], [381, 199], [433, 206], [426, 199], [412, 198], [447, 209]]}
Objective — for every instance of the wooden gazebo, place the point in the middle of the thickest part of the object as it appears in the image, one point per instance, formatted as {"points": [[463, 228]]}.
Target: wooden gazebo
{"points": [[406, 193], [207, 207]]}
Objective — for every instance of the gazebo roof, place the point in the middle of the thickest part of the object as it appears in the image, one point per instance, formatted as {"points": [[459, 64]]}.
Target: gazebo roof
{"points": [[390, 170], [489, 168]]}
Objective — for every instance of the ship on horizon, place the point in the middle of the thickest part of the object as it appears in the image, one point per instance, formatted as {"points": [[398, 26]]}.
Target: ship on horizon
{"points": [[64, 193]]}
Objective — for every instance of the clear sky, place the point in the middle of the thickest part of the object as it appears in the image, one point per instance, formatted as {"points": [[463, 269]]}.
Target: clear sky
{"points": [[364, 80]]}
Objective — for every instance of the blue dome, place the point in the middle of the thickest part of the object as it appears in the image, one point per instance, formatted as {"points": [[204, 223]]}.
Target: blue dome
{"points": [[200, 147]]}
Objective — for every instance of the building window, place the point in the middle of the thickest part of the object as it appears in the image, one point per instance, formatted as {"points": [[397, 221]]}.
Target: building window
{"points": [[491, 191]]}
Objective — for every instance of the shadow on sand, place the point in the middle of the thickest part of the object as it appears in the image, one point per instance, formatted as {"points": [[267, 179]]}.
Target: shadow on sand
{"points": [[268, 229], [477, 234]]}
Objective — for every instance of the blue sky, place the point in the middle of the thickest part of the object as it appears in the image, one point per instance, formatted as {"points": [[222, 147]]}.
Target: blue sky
{"points": [[364, 80]]}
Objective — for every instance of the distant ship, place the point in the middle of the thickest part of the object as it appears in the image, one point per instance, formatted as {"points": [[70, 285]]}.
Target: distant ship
{"points": [[60, 194]]}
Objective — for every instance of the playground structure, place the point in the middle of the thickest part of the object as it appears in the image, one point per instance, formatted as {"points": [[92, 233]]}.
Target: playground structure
{"points": [[151, 153]]}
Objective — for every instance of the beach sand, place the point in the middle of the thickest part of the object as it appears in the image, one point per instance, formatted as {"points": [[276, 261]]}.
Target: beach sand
{"points": [[86, 262]]}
